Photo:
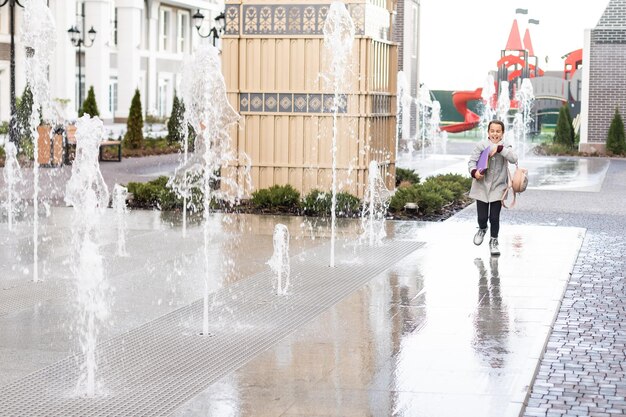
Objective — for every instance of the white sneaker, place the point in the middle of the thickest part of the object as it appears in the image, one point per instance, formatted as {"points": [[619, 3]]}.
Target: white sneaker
{"points": [[493, 246], [479, 236]]}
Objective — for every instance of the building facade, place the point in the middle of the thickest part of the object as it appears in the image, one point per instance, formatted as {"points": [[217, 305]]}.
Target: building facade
{"points": [[406, 34], [604, 78], [140, 44]]}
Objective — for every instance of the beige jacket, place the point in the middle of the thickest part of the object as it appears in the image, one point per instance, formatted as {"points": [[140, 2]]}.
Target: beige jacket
{"points": [[492, 185]]}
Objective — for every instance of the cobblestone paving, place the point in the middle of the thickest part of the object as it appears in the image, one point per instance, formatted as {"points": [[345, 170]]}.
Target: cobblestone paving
{"points": [[583, 370]]}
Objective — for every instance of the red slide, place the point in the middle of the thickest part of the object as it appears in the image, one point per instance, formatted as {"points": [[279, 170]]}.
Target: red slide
{"points": [[460, 99]]}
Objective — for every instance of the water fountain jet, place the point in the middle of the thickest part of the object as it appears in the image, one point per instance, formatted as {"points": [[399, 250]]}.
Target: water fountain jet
{"points": [[279, 262], [209, 113], [12, 178], [39, 38], [87, 193], [338, 41]]}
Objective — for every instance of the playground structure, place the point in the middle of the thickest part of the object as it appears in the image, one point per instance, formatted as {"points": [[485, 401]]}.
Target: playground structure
{"points": [[518, 62]]}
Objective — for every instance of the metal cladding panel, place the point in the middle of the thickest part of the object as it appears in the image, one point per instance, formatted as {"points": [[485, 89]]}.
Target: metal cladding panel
{"points": [[276, 60]]}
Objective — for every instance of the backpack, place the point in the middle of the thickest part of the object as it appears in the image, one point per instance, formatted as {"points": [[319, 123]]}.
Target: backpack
{"points": [[516, 183]]}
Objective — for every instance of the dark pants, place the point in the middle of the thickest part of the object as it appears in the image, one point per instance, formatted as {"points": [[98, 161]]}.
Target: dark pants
{"points": [[491, 212]]}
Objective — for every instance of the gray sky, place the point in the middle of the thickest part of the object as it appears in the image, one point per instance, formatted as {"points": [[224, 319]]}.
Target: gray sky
{"points": [[461, 39]]}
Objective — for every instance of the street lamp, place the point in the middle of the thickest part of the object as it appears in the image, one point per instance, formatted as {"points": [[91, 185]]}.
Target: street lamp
{"points": [[13, 121], [79, 42], [216, 30]]}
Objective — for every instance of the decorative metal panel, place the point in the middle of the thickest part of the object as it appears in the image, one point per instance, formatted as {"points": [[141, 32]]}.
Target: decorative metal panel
{"points": [[291, 103], [285, 19]]}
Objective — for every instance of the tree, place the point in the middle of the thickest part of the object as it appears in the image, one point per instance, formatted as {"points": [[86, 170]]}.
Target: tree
{"points": [[563, 132], [175, 123], [616, 138], [90, 106], [570, 121], [24, 110], [134, 127]]}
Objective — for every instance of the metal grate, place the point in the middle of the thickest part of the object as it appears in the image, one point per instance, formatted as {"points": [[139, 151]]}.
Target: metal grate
{"points": [[27, 295], [154, 369]]}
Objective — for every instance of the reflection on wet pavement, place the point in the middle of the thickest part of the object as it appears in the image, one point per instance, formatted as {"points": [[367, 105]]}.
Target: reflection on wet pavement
{"points": [[448, 331]]}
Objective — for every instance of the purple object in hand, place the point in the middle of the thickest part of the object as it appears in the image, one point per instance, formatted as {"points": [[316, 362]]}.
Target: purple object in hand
{"points": [[483, 160]]}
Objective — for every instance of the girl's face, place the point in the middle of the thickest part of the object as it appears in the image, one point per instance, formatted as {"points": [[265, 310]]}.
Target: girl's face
{"points": [[495, 133]]}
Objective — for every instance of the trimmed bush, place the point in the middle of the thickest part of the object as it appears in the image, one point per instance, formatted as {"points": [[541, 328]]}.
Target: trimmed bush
{"points": [[406, 175], [433, 194], [319, 203], [615, 139], [90, 105], [134, 127], [277, 197], [154, 194], [403, 196]]}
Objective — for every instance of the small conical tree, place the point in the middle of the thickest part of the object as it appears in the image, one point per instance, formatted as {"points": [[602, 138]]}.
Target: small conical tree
{"points": [[90, 106], [24, 109], [134, 127], [616, 138], [175, 123], [570, 121], [563, 132]]}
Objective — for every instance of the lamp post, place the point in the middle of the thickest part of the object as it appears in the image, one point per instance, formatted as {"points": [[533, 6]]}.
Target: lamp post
{"points": [[78, 41], [216, 30], [13, 121]]}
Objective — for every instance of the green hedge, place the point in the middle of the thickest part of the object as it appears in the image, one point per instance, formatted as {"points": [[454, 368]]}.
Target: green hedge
{"points": [[433, 194], [319, 203]]}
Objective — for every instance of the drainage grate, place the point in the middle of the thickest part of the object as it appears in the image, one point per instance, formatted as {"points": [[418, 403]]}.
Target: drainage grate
{"points": [[154, 369], [27, 295]]}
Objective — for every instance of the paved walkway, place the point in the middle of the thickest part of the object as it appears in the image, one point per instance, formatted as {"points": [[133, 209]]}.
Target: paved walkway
{"points": [[446, 331], [583, 372]]}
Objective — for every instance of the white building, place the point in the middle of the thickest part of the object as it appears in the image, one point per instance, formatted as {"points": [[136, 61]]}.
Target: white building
{"points": [[139, 44]]}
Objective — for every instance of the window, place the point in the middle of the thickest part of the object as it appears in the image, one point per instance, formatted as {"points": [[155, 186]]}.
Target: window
{"points": [[163, 97], [183, 31], [415, 33], [113, 95], [164, 29], [114, 27]]}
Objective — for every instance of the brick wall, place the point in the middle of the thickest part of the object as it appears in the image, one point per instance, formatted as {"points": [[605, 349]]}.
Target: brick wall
{"points": [[607, 87], [607, 74], [398, 33]]}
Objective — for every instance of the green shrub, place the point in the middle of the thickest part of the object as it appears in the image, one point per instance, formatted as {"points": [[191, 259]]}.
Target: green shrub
{"points": [[261, 199], [615, 140], [319, 203], [283, 197], [134, 127], [563, 134], [154, 194], [403, 196], [406, 175], [24, 109], [90, 105], [348, 205], [316, 203], [458, 184], [433, 194], [175, 132]]}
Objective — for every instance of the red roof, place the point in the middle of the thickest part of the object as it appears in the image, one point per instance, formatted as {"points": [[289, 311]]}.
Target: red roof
{"points": [[515, 42], [528, 45]]}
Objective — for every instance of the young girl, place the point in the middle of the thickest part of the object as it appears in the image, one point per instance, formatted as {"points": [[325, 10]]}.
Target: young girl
{"points": [[488, 187]]}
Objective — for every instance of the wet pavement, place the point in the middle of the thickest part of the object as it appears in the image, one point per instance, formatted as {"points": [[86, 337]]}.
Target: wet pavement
{"points": [[446, 331]]}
